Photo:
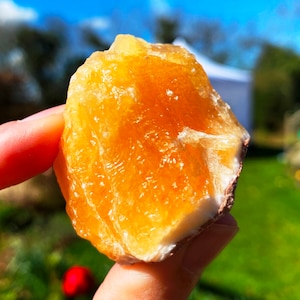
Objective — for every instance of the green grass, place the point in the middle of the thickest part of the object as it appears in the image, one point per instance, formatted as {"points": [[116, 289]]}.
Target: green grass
{"points": [[37, 253], [262, 262]]}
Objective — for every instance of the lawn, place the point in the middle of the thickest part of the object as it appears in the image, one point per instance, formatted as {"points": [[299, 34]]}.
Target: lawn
{"points": [[262, 262]]}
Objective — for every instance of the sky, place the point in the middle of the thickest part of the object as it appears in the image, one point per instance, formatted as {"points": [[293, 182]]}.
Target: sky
{"points": [[276, 20]]}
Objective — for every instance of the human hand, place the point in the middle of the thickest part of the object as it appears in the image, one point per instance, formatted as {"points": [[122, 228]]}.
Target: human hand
{"points": [[29, 147]]}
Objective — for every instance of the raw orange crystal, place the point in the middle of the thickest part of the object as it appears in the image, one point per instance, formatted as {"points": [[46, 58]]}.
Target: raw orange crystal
{"points": [[149, 154]]}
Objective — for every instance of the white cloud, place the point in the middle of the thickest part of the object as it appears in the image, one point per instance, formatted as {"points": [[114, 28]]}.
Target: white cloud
{"points": [[98, 23], [11, 13]]}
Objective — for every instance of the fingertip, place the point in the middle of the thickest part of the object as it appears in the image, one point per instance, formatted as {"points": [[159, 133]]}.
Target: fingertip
{"points": [[227, 219], [204, 248]]}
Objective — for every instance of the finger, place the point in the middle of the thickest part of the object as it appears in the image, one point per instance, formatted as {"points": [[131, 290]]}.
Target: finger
{"points": [[209, 244], [29, 147], [173, 278]]}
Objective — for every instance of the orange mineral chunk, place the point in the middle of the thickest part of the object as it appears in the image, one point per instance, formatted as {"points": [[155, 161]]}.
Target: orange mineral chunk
{"points": [[150, 153]]}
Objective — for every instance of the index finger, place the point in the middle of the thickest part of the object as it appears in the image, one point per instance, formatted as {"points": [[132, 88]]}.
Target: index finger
{"points": [[29, 147]]}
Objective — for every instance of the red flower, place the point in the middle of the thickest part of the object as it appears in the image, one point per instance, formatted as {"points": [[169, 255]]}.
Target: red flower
{"points": [[78, 281]]}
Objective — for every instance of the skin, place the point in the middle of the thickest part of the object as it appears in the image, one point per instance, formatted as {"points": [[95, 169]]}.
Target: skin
{"points": [[29, 147]]}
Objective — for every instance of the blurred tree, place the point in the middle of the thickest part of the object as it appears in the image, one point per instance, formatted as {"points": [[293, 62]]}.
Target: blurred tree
{"points": [[16, 96], [295, 76], [210, 38], [41, 50], [8, 83], [36, 63], [206, 36], [7, 38], [166, 29], [19, 91], [223, 44], [92, 39], [276, 86]]}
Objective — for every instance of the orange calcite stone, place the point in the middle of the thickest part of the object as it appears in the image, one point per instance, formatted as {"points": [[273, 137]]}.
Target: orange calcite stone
{"points": [[149, 154]]}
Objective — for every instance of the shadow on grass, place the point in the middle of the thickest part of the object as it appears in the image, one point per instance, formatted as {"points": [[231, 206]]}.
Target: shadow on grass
{"points": [[222, 293], [262, 151]]}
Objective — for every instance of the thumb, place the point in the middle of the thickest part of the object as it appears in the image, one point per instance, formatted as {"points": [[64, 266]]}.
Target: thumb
{"points": [[173, 278]]}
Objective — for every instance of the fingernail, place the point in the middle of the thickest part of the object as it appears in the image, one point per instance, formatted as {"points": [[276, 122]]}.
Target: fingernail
{"points": [[207, 245], [45, 113]]}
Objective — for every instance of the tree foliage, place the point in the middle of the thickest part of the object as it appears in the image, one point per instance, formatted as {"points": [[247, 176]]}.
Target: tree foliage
{"points": [[276, 86], [223, 44], [206, 36], [50, 57], [46, 62], [210, 38], [41, 50], [167, 29]]}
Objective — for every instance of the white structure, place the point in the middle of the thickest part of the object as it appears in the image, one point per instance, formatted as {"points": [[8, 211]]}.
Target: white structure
{"points": [[234, 85]]}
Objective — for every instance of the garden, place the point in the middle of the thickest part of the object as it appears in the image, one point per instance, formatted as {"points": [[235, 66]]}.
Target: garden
{"points": [[38, 245], [37, 242]]}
